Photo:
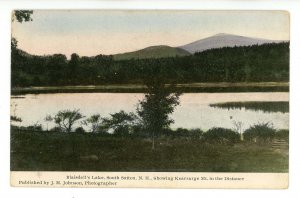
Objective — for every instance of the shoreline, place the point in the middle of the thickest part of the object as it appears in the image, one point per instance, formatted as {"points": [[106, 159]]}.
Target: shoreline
{"points": [[220, 87]]}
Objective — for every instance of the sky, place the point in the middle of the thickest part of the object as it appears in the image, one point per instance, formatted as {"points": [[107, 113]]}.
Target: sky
{"points": [[93, 32]]}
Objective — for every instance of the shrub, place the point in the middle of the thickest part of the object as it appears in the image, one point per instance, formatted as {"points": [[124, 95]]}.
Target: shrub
{"points": [[120, 123], [192, 133], [15, 119], [181, 132], [55, 129], [196, 133], [122, 131], [261, 133], [65, 119], [94, 123], [139, 131], [79, 130], [30, 128], [35, 127], [221, 135], [282, 134]]}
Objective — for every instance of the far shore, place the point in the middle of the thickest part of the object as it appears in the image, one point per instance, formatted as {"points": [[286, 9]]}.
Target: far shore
{"points": [[139, 88]]}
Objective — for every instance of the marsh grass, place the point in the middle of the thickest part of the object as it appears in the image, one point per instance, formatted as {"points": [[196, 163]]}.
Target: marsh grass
{"points": [[268, 107]]}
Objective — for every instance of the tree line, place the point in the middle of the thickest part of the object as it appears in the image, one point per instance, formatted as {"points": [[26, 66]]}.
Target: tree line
{"points": [[257, 63], [123, 124]]}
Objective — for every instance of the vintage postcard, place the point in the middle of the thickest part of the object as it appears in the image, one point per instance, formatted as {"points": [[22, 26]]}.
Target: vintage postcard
{"points": [[150, 98]]}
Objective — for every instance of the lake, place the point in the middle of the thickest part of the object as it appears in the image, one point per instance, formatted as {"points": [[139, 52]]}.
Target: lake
{"points": [[194, 110]]}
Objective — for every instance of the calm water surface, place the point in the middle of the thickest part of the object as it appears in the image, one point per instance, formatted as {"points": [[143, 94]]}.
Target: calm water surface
{"points": [[194, 110]]}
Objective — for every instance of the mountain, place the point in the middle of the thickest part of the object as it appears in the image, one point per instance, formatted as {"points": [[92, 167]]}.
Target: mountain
{"points": [[224, 40], [153, 52]]}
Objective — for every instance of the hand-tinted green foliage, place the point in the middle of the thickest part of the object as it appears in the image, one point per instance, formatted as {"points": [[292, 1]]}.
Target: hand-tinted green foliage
{"points": [[55, 129], [15, 119], [22, 15], [221, 135], [31, 128], [268, 62], [66, 119], [79, 130], [94, 123], [14, 45], [152, 52], [160, 101], [188, 133], [49, 151], [261, 133], [269, 106], [282, 134], [120, 123]]}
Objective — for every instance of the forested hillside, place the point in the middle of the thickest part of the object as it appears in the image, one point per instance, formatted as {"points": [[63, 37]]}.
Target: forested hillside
{"points": [[153, 52], [257, 63]]}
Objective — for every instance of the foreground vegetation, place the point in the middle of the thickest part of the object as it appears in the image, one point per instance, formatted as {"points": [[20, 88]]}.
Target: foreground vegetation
{"points": [[180, 150], [143, 141]]}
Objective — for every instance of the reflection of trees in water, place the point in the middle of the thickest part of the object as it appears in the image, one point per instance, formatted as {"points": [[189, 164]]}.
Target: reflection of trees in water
{"points": [[267, 107]]}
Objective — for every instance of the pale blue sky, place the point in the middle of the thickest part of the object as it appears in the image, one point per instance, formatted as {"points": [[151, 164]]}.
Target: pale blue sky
{"points": [[93, 32]]}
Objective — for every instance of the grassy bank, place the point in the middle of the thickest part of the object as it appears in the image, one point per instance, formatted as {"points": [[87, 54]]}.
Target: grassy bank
{"points": [[50, 151], [138, 88]]}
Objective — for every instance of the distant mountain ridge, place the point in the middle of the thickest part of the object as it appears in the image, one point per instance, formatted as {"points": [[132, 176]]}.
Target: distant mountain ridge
{"points": [[160, 51], [153, 52], [216, 41], [224, 40]]}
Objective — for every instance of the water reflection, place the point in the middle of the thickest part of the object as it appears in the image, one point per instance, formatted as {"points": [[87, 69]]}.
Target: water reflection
{"points": [[194, 110]]}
